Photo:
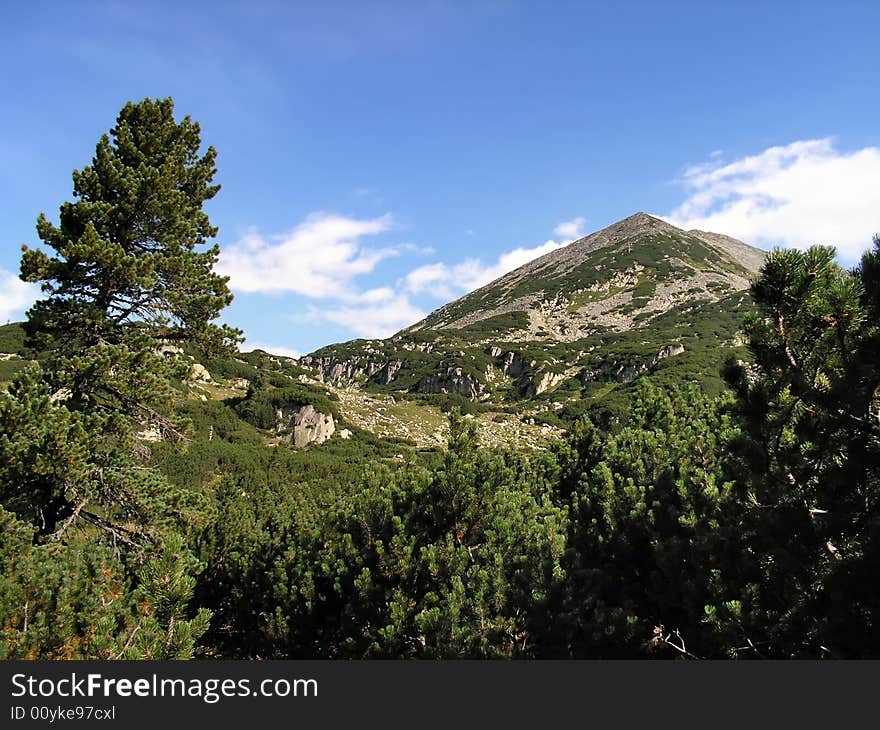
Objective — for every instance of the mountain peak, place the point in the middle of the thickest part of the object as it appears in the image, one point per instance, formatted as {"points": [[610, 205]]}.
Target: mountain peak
{"points": [[640, 218], [580, 320], [616, 279], [636, 224]]}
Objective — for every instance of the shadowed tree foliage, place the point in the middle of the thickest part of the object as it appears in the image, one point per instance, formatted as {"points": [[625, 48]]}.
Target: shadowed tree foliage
{"points": [[650, 525], [454, 561], [78, 601]]}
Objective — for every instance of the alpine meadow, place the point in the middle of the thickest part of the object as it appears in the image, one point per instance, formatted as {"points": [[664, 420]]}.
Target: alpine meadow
{"points": [[649, 442]]}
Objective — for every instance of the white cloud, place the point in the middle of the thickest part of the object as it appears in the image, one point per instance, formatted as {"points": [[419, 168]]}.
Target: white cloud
{"points": [[16, 296], [443, 281], [374, 318], [280, 350], [415, 249], [474, 275], [322, 257], [374, 296], [435, 279], [796, 195], [319, 258], [572, 229]]}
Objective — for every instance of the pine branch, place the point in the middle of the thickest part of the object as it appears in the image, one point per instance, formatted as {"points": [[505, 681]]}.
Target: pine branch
{"points": [[59, 533], [122, 534]]}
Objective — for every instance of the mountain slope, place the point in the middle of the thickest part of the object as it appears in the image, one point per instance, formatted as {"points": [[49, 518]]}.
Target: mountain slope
{"points": [[614, 279]]}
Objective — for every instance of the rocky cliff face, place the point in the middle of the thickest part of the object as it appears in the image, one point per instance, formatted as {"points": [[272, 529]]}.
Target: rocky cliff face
{"points": [[627, 372], [454, 380], [352, 371]]}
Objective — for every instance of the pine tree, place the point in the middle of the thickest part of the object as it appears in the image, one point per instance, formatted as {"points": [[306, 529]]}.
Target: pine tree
{"points": [[648, 530], [126, 289], [453, 561], [77, 601], [126, 267], [809, 458]]}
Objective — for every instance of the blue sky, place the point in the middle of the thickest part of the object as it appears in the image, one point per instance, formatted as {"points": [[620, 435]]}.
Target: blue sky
{"points": [[379, 158]]}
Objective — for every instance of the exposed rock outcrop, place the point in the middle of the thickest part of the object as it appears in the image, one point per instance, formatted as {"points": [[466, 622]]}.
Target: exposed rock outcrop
{"points": [[454, 381], [352, 371], [514, 365], [542, 382], [305, 425], [388, 372], [627, 372], [199, 373]]}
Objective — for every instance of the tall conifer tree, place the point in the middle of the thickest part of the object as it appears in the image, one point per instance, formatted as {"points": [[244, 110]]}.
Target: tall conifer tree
{"points": [[126, 287]]}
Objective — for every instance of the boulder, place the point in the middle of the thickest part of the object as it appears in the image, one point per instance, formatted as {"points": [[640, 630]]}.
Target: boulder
{"points": [[309, 426], [542, 382], [199, 372]]}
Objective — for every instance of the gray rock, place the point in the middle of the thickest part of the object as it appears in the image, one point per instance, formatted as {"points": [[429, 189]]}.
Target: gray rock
{"points": [[626, 373], [455, 381], [513, 364], [309, 426]]}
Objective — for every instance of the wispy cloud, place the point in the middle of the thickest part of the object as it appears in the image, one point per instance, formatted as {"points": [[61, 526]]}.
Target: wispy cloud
{"points": [[380, 315], [319, 258], [16, 296], [436, 279], [323, 257], [445, 281], [795, 195], [572, 229], [281, 350]]}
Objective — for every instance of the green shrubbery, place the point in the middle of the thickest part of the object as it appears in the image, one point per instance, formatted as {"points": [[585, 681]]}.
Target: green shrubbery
{"points": [[674, 520]]}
